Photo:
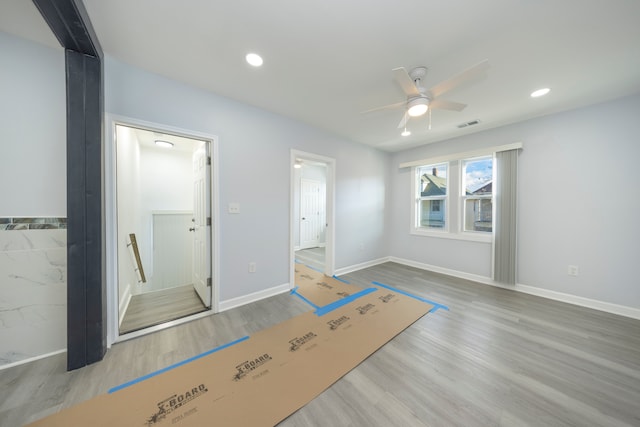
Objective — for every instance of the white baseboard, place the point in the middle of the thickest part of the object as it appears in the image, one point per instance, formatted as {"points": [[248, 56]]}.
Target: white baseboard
{"points": [[447, 271], [608, 307], [256, 296], [124, 303], [362, 265], [527, 289], [31, 359]]}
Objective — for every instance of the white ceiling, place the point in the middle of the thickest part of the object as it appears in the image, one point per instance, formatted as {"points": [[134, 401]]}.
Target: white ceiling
{"points": [[327, 61], [146, 139]]}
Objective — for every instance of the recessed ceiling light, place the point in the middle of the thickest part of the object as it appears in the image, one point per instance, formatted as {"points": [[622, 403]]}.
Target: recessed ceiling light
{"points": [[254, 59], [164, 144], [540, 92]]}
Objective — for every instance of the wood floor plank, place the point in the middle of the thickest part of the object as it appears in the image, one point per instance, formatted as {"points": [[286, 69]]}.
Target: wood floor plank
{"points": [[154, 308], [313, 257], [495, 358]]}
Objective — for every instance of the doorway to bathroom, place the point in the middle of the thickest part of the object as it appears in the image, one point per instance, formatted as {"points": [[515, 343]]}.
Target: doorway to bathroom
{"points": [[164, 227]]}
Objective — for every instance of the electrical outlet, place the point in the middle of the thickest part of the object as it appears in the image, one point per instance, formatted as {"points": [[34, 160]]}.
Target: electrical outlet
{"points": [[234, 208], [572, 270], [252, 267]]}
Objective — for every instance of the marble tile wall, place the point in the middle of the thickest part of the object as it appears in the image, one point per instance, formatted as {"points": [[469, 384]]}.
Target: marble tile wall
{"points": [[33, 288]]}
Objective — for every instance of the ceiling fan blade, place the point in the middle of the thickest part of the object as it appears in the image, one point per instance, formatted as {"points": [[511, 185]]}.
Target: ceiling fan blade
{"points": [[403, 122], [441, 104], [386, 107], [405, 81], [466, 76]]}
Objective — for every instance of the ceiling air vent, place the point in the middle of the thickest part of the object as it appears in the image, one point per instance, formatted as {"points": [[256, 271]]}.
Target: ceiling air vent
{"points": [[471, 123]]}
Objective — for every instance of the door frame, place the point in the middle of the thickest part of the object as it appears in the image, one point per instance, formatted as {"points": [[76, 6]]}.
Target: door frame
{"points": [[329, 267], [111, 225]]}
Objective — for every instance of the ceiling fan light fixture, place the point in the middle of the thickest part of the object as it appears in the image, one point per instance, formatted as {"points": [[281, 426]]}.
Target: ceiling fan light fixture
{"points": [[417, 107]]}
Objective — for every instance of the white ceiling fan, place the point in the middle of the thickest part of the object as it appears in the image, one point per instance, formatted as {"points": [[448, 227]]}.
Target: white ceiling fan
{"points": [[420, 99]]}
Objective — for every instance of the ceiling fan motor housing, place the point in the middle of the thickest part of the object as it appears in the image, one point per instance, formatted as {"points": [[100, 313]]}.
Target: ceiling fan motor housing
{"points": [[417, 75]]}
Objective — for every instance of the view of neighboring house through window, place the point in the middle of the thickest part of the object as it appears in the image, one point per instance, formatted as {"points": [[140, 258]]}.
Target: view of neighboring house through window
{"points": [[477, 197], [432, 197]]}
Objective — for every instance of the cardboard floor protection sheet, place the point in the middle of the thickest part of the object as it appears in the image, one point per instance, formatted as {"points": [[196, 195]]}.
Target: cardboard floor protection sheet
{"points": [[320, 290], [261, 379]]}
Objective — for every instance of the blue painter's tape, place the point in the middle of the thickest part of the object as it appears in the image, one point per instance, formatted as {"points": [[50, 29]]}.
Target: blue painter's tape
{"points": [[435, 305], [342, 280], [184, 362], [321, 311], [294, 292]]}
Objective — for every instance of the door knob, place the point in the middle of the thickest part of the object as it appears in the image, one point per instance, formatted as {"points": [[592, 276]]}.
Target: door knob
{"points": [[192, 229]]}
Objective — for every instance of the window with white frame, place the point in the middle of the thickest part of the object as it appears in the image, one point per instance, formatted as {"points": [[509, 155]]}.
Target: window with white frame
{"points": [[453, 196], [431, 200], [476, 194]]}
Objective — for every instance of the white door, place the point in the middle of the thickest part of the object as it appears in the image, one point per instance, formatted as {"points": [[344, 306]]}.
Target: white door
{"points": [[311, 213], [202, 223]]}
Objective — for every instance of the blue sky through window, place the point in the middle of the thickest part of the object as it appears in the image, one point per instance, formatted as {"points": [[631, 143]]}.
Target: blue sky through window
{"points": [[478, 173]]}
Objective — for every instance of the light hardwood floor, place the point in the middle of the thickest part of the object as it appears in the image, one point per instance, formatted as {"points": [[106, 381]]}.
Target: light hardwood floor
{"points": [[313, 257], [158, 307], [496, 358]]}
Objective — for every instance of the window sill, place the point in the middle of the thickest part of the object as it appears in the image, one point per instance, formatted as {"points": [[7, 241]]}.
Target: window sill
{"points": [[466, 236]]}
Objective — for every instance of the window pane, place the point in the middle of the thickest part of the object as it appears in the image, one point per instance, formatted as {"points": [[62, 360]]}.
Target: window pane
{"points": [[478, 175], [478, 215], [431, 213], [477, 180], [433, 180]]}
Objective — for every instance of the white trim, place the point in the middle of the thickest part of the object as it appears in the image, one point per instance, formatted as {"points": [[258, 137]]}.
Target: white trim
{"points": [[362, 265], [166, 325], [215, 223], [253, 297], [31, 359], [124, 304], [113, 317], [442, 270], [469, 236], [467, 154], [608, 307], [170, 212]]}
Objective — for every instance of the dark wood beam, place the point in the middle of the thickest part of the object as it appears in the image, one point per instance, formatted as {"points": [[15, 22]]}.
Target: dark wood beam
{"points": [[86, 289]]}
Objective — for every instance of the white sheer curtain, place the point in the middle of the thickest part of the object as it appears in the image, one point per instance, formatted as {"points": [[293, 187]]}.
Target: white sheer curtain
{"points": [[504, 258]]}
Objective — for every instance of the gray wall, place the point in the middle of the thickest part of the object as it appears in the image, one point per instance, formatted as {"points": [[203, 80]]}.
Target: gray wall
{"points": [[33, 129], [254, 152], [577, 204], [33, 256]]}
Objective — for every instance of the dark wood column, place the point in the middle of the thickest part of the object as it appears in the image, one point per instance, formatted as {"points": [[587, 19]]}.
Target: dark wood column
{"points": [[86, 289]]}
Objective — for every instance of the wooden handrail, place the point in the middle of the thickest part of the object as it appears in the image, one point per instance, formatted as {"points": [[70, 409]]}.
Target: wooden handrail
{"points": [[136, 254]]}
